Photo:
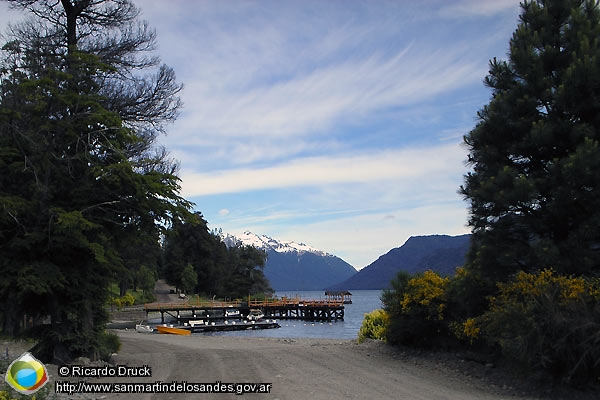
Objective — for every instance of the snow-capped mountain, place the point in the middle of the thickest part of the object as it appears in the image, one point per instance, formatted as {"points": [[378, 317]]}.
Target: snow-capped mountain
{"points": [[294, 266], [266, 243]]}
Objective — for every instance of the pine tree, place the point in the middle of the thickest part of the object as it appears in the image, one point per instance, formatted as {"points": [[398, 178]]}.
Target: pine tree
{"points": [[233, 272], [534, 188], [80, 178]]}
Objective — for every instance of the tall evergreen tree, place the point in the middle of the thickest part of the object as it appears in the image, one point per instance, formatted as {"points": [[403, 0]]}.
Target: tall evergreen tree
{"points": [[233, 272], [80, 177], [534, 190]]}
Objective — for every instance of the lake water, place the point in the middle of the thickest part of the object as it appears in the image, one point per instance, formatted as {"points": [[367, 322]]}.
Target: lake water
{"points": [[363, 301]]}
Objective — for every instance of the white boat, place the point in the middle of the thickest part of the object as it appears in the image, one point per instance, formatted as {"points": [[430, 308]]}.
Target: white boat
{"points": [[141, 328], [233, 312], [255, 315]]}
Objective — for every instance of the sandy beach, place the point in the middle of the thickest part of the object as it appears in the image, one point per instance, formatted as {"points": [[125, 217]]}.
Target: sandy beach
{"points": [[297, 369]]}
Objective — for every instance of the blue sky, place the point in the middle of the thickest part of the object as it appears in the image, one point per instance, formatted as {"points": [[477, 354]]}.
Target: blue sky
{"points": [[334, 123]]}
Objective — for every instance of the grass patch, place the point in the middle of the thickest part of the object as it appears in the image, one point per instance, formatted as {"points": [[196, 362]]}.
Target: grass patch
{"points": [[138, 295]]}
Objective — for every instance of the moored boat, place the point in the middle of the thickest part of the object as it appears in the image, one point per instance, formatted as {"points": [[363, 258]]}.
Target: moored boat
{"points": [[232, 312], [141, 328], [255, 315], [172, 330]]}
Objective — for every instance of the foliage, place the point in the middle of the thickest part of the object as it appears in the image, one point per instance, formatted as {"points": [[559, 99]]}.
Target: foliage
{"points": [[425, 294], [11, 394], [139, 296], [543, 321], [374, 326], [233, 272], [109, 344], [189, 279], [547, 322], [468, 330], [85, 194], [146, 279], [392, 297], [535, 153], [123, 301], [416, 308]]}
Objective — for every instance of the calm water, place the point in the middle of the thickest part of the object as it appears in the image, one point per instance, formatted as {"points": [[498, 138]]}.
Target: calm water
{"points": [[363, 301]]}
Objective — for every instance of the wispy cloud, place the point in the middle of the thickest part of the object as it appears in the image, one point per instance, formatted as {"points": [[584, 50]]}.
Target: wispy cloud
{"points": [[347, 91], [401, 165], [477, 8]]}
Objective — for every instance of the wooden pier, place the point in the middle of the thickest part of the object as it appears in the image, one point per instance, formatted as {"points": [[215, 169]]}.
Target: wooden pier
{"points": [[284, 308], [309, 310]]}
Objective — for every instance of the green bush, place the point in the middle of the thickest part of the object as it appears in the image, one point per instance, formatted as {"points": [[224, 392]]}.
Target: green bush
{"points": [[109, 344], [374, 326], [547, 323], [8, 393], [126, 300], [416, 306]]}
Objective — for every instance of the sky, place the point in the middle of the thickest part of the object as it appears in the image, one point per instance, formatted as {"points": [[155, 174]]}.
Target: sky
{"points": [[334, 123]]}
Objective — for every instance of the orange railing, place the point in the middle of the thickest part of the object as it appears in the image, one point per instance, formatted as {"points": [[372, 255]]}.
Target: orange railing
{"points": [[190, 305], [266, 303], [296, 301]]}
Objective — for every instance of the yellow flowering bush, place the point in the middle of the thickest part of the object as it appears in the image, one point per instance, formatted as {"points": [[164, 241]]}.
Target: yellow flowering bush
{"points": [[374, 326], [470, 329], [427, 293], [547, 321], [416, 306], [467, 330], [569, 288], [126, 300]]}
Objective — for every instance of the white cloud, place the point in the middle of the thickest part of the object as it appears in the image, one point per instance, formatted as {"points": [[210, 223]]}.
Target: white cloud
{"points": [[312, 103], [478, 8], [399, 166]]}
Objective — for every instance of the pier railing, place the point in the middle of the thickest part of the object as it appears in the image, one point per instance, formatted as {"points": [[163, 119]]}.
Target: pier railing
{"points": [[296, 301], [191, 305], [266, 303], [283, 308]]}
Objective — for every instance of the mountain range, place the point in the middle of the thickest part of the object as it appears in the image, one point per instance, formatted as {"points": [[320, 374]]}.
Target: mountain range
{"points": [[294, 266], [439, 253]]}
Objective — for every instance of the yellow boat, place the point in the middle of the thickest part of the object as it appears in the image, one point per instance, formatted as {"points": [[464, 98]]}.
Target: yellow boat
{"points": [[172, 330]]}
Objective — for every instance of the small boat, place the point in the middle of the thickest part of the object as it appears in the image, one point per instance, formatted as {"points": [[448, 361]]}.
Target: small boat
{"points": [[142, 328], [255, 315], [172, 330], [233, 312]]}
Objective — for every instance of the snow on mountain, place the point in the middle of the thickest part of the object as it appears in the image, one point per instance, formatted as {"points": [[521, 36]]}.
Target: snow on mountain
{"points": [[266, 243], [294, 266]]}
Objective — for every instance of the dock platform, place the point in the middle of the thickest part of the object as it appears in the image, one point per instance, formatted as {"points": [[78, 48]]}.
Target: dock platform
{"points": [[233, 326], [284, 308]]}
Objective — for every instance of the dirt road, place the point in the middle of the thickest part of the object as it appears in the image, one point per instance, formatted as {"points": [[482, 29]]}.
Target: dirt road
{"points": [[162, 292], [297, 368]]}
